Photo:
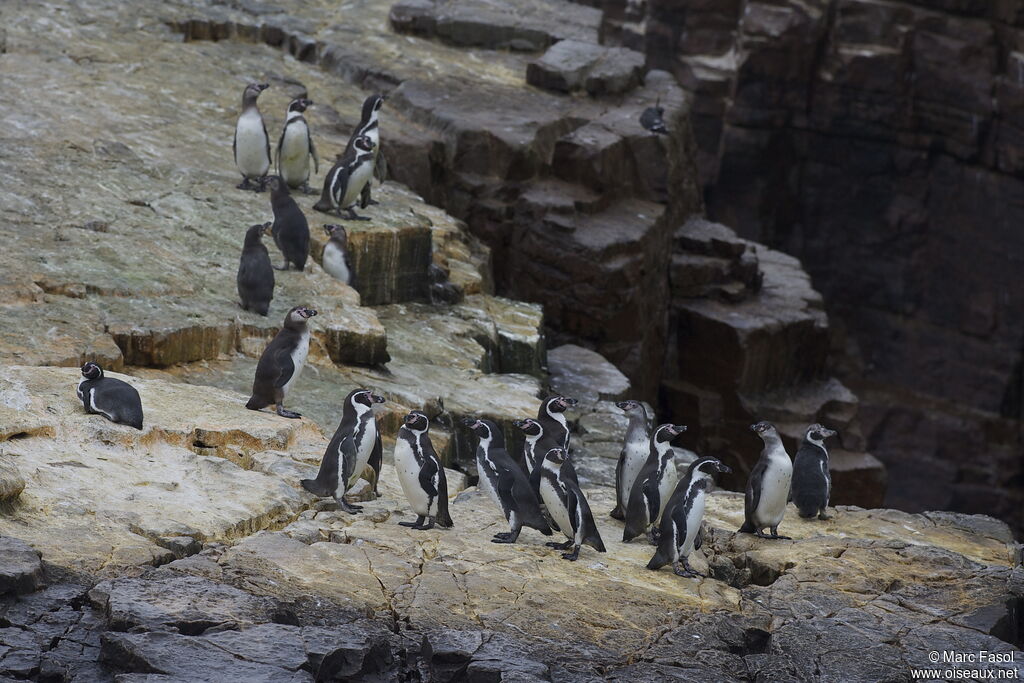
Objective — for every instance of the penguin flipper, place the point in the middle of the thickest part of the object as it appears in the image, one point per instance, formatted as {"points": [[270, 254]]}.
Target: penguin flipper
{"points": [[315, 487], [348, 461], [376, 459], [617, 512], [286, 367], [380, 166], [591, 536], [266, 140], [636, 509], [753, 496], [443, 518], [513, 486], [652, 496], [312, 151]]}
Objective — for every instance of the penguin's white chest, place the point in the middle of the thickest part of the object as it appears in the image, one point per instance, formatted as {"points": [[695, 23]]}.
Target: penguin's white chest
{"points": [[665, 487], [334, 262], [636, 455], [774, 490], [693, 519], [365, 448], [556, 507], [251, 145], [408, 469], [299, 354], [356, 181], [294, 159]]}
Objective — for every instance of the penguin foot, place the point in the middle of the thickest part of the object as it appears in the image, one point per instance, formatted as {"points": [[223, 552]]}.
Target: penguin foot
{"points": [[690, 570], [353, 216], [306, 189], [244, 185], [350, 508], [573, 556], [371, 202], [411, 525], [503, 539], [822, 516], [284, 267], [287, 413], [686, 573], [559, 546], [776, 537]]}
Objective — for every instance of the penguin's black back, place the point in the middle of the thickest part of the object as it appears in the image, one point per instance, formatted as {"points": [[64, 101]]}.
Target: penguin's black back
{"points": [[274, 368], [116, 400], [514, 488], [810, 488], [255, 278], [291, 230]]}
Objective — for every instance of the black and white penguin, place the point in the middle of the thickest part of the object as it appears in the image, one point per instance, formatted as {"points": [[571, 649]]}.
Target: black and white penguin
{"points": [[653, 486], [110, 397], [533, 432], [337, 259], [652, 119], [680, 523], [812, 482], [345, 181], [635, 449], [768, 485], [255, 278], [567, 505], [281, 363], [291, 231], [295, 147], [551, 416], [505, 482], [349, 451], [421, 474], [252, 144], [369, 126]]}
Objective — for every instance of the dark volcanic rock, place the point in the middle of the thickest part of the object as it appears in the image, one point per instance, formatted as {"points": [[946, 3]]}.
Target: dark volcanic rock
{"points": [[571, 65], [21, 570]]}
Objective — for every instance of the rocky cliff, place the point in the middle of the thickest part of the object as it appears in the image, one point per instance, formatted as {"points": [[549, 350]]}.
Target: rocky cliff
{"points": [[880, 142]]}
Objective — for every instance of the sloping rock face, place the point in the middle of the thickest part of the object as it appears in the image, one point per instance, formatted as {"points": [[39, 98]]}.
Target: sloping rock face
{"points": [[229, 571], [880, 142]]}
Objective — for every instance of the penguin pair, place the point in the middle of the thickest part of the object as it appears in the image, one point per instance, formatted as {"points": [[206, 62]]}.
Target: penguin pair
{"points": [[355, 444], [349, 180], [680, 526], [653, 485], [421, 474], [110, 397], [635, 449], [281, 363]]}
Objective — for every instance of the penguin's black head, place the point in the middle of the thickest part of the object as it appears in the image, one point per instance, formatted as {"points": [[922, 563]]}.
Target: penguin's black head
{"points": [[337, 231], [300, 104], [817, 432], [762, 428], [709, 465], [529, 426], [276, 185], [253, 90], [91, 370], [417, 421], [372, 105], [667, 432], [628, 405], [363, 144], [365, 397], [478, 427], [556, 456], [300, 314]]}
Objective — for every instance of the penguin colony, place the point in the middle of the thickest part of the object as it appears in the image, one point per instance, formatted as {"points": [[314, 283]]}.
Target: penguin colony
{"points": [[543, 493]]}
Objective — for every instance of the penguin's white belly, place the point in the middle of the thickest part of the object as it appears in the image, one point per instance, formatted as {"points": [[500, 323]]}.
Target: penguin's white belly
{"points": [[294, 160], [556, 508], [774, 492], [356, 182], [693, 520], [409, 477], [251, 148], [334, 263], [365, 449], [485, 472], [636, 456], [665, 488], [298, 361]]}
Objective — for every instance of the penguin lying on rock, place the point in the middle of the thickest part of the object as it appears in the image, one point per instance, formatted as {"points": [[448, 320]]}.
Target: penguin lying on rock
{"points": [[112, 398]]}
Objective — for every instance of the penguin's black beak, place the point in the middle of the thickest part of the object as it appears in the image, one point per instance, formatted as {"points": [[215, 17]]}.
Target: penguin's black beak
{"points": [[723, 468], [469, 421], [677, 429], [262, 86], [569, 402], [267, 228], [307, 312], [376, 399], [410, 418], [329, 229], [624, 405], [518, 423]]}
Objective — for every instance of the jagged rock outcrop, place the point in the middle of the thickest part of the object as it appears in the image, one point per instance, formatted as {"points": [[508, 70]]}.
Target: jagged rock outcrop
{"points": [[879, 142]]}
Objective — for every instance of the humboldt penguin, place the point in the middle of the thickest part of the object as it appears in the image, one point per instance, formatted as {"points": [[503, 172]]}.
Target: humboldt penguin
{"points": [[345, 181], [551, 416], [533, 432], [653, 120], [812, 483], [567, 505], [349, 451], [337, 259], [653, 485], [251, 145], [421, 474], [370, 127], [110, 397], [291, 231], [505, 482], [295, 147], [768, 486], [255, 278], [635, 449], [282, 362], [680, 523]]}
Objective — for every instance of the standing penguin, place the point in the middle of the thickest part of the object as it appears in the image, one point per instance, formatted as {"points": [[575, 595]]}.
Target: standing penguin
{"points": [[291, 231], [281, 363], [533, 432], [345, 181], [255, 278], [421, 474], [653, 120], [653, 485], [680, 523], [768, 485], [337, 259], [635, 449], [369, 126], [251, 144], [295, 148], [567, 505], [551, 416], [112, 398], [349, 451], [812, 483], [501, 477]]}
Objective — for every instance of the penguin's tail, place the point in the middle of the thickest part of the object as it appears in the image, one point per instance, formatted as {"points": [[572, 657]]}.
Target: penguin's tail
{"points": [[445, 521], [658, 561], [617, 512], [323, 204], [747, 528], [595, 542], [255, 404], [314, 487]]}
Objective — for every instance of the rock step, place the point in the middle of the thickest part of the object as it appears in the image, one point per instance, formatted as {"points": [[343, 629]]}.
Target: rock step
{"points": [[574, 65]]}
